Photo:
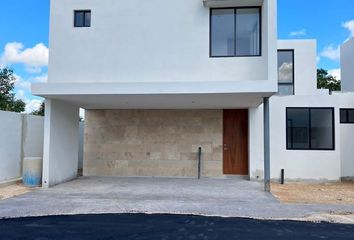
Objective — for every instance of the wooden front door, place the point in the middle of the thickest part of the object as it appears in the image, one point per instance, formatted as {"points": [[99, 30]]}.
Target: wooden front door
{"points": [[235, 143]]}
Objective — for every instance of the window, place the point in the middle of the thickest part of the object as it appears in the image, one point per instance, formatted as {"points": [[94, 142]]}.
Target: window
{"points": [[286, 72], [235, 32], [346, 115], [82, 18], [310, 128]]}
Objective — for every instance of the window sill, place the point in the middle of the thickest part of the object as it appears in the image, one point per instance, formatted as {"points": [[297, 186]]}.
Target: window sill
{"points": [[243, 56]]}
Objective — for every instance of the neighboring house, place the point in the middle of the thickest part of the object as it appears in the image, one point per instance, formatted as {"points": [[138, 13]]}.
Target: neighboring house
{"points": [[159, 79]]}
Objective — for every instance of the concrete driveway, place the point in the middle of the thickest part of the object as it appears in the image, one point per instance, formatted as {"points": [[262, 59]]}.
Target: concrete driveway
{"points": [[216, 197]]}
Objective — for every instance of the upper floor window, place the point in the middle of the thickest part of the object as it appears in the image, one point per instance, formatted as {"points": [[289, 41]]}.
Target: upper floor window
{"points": [[310, 128], [235, 32], [82, 18], [286, 72], [347, 115]]}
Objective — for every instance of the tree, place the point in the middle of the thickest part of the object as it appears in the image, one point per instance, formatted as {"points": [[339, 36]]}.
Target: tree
{"points": [[40, 111], [327, 81], [7, 96]]}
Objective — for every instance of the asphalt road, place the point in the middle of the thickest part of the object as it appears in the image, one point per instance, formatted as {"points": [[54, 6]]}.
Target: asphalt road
{"points": [[141, 226]]}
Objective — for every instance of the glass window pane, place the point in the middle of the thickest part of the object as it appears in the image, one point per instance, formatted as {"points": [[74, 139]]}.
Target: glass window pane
{"points": [[285, 67], [321, 128], [87, 19], [79, 19], [223, 32], [248, 32], [285, 90], [343, 116], [351, 115], [298, 128]]}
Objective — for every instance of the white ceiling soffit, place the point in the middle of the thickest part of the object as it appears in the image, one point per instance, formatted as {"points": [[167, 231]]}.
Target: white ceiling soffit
{"points": [[231, 3]]}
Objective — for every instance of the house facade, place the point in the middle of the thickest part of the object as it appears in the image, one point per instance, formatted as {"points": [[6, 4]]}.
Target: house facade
{"points": [[161, 79]]}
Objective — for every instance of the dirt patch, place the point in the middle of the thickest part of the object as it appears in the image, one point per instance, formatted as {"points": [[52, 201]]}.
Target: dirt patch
{"points": [[324, 193], [334, 217], [13, 190]]}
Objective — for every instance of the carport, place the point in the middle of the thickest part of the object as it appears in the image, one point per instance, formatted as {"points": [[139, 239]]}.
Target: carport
{"points": [[60, 158]]}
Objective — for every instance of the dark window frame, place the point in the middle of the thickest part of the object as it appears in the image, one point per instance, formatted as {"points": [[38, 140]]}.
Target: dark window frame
{"points": [[84, 11], [346, 113], [235, 9], [293, 59], [309, 124]]}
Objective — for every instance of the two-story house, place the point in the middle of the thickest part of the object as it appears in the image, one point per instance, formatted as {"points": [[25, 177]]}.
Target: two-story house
{"points": [[159, 79]]}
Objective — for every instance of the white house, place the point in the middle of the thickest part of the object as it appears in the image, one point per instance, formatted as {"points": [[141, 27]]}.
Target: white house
{"points": [[159, 79]]}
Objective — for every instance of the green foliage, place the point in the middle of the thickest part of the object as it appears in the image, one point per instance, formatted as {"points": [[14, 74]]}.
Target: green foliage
{"points": [[7, 96], [327, 81], [40, 111]]}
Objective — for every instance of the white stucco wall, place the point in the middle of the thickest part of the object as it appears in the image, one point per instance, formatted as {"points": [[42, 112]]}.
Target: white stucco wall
{"points": [[347, 63], [21, 136], [305, 84], [61, 142], [305, 65], [150, 41], [302, 164], [10, 145], [256, 140], [33, 136], [308, 164]]}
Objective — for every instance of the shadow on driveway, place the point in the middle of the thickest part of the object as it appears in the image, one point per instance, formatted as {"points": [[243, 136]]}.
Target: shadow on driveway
{"points": [[142, 226]]}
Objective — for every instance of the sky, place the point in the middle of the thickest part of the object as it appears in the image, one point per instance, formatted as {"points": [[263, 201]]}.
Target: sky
{"points": [[24, 27]]}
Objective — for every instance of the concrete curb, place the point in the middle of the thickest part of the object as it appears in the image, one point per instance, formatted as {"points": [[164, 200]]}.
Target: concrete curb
{"points": [[10, 182]]}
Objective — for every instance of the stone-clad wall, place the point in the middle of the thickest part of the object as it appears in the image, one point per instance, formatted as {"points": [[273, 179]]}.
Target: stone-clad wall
{"points": [[152, 142]]}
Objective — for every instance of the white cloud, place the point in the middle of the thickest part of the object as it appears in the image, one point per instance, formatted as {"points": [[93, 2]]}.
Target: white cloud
{"points": [[33, 58], [301, 32], [31, 104], [285, 72], [42, 78], [20, 94], [25, 84], [349, 25], [33, 69], [22, 87], [331, 52], [335, 73], [22, 84]]}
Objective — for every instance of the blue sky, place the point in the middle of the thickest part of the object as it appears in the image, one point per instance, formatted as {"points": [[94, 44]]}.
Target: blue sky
{"points": [[24, 26]]}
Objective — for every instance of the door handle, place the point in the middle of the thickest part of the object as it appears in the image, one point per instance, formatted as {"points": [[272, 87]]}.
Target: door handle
{"points": [[226, 148]]}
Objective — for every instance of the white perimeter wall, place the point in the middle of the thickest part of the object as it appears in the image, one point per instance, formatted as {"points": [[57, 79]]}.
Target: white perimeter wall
{"points": [[33, 136], [21, 136], [10, 145]]}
